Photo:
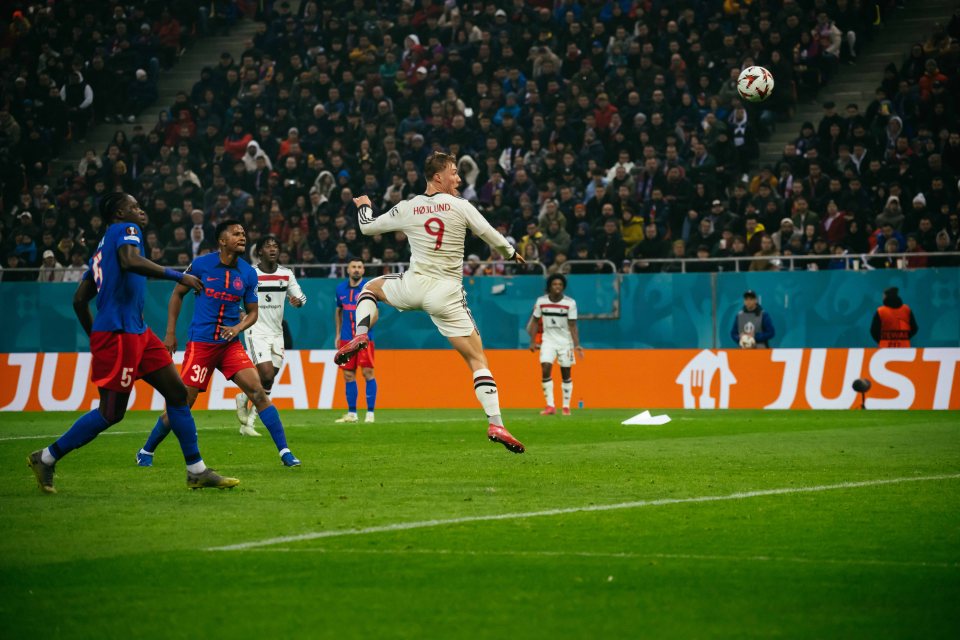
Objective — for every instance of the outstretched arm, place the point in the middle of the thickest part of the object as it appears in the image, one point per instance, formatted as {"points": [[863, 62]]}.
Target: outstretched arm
{"points": [[485, 231], [371, 225], [131, 260]]}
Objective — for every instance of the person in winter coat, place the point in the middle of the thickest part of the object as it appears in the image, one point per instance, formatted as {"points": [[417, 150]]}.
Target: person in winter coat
{"points": [[250, 157]]}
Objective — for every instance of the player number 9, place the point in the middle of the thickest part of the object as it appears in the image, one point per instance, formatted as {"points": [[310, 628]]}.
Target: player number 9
{"points": [[434, 227]]}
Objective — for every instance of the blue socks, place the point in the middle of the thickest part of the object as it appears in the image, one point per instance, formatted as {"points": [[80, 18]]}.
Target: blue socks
{"points": [[271, 420], [86, 428], [183, 426], [156, 436], [371, 394], [352, 394]]}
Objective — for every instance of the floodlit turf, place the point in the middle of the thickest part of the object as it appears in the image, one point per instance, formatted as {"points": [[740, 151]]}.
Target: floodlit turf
{"points": [[123, 552]]}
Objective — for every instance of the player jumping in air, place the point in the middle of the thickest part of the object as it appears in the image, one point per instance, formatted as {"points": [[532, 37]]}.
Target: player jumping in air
{"points": [[213, 341], [123, 348], [436, 224], [276, 284], [347, 294], [558, 313]]}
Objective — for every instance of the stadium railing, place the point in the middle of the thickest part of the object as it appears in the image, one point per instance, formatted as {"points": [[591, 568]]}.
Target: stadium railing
{"points": [[851, 262]]}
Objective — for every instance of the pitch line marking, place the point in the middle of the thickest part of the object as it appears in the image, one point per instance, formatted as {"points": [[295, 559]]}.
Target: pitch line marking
{"points": [[621, 555], [102, 433], [423, 524], [294, 425]]}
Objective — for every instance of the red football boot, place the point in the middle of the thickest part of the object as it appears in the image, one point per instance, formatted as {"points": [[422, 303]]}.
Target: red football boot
{"points": [[501, 435], [549, 411], [345, 352], [565, 411]]}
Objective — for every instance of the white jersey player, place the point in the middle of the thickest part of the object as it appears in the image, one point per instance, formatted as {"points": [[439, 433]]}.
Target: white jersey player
{"points": [[435, 224], [264, 339], [555, 320]]}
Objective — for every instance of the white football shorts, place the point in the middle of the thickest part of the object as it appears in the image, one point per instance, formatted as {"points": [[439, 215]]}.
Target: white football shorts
{"points": [[561, 352], [266, 349], [443, 299]]}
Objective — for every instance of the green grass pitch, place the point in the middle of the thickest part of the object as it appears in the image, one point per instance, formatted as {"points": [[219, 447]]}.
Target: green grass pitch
{"points": [[125, 552]]}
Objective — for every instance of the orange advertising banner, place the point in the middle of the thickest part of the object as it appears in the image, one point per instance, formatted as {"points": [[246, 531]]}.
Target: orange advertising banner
{"points": [[634, 379]]}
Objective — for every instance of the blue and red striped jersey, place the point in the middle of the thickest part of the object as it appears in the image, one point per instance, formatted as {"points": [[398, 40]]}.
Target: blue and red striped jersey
{"points": [[120, 293], [225, 291], [347, 300]]}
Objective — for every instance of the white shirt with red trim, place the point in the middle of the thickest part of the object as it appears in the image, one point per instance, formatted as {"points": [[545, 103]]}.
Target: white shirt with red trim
{"points": [[436, 227], [554, 317], [272, 290]]}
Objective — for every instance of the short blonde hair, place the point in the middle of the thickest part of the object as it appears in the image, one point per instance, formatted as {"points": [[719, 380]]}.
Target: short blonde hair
{"points": [[437, 162]]}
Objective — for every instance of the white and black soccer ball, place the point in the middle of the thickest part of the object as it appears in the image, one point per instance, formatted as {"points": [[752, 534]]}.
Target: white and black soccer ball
{"points": [[755, 84], [747, 341]]}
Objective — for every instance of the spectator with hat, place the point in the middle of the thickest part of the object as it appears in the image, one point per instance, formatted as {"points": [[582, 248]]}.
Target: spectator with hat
{"points": [[50, 270], [752, 326]]}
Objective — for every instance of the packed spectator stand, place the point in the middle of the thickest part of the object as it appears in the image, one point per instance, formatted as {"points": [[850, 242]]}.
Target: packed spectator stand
{"points": [[597, 135]]}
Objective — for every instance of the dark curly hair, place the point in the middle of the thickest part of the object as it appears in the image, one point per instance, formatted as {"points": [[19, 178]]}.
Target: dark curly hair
{"points": [[556, 276]]}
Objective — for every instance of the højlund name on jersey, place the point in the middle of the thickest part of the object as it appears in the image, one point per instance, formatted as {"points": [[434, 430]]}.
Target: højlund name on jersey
{"points": [[431, 208]]}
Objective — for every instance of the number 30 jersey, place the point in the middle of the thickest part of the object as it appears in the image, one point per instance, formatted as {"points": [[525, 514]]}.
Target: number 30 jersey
{"points": [[436, 227]]}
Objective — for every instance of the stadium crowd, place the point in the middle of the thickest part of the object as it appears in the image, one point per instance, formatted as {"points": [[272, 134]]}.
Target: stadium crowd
{"points": [[589, 130]]}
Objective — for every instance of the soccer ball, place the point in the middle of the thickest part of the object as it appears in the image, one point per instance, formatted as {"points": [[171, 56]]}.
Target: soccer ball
{"points": [[755, 84], [747, 341]]}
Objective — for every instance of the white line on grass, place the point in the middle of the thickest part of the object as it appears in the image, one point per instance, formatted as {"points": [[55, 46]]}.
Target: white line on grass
{"points": [[423, 524], [621, 555], [104, 433], [288, 426]]}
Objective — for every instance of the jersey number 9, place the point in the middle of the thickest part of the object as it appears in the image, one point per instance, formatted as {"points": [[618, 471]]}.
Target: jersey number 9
{"points": [[434, 227]]}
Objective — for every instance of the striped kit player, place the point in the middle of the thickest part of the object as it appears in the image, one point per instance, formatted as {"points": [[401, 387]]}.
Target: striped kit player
{"points": [[556, 314], [275, 284]]}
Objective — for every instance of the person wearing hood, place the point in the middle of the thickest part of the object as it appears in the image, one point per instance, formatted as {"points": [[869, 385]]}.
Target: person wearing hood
{"points": [[250, 157], [77, 95], [892, 214], [891, 132], [808, 139], [893, 323]]}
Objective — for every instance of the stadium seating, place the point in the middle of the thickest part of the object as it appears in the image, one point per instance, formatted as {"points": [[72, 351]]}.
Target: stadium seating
{"points": [[597, 136]]}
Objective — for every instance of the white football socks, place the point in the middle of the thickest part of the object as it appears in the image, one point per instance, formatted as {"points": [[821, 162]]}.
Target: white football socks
{"points": [[366, 308], [486, 390], [567, 387], [548, 391]]}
